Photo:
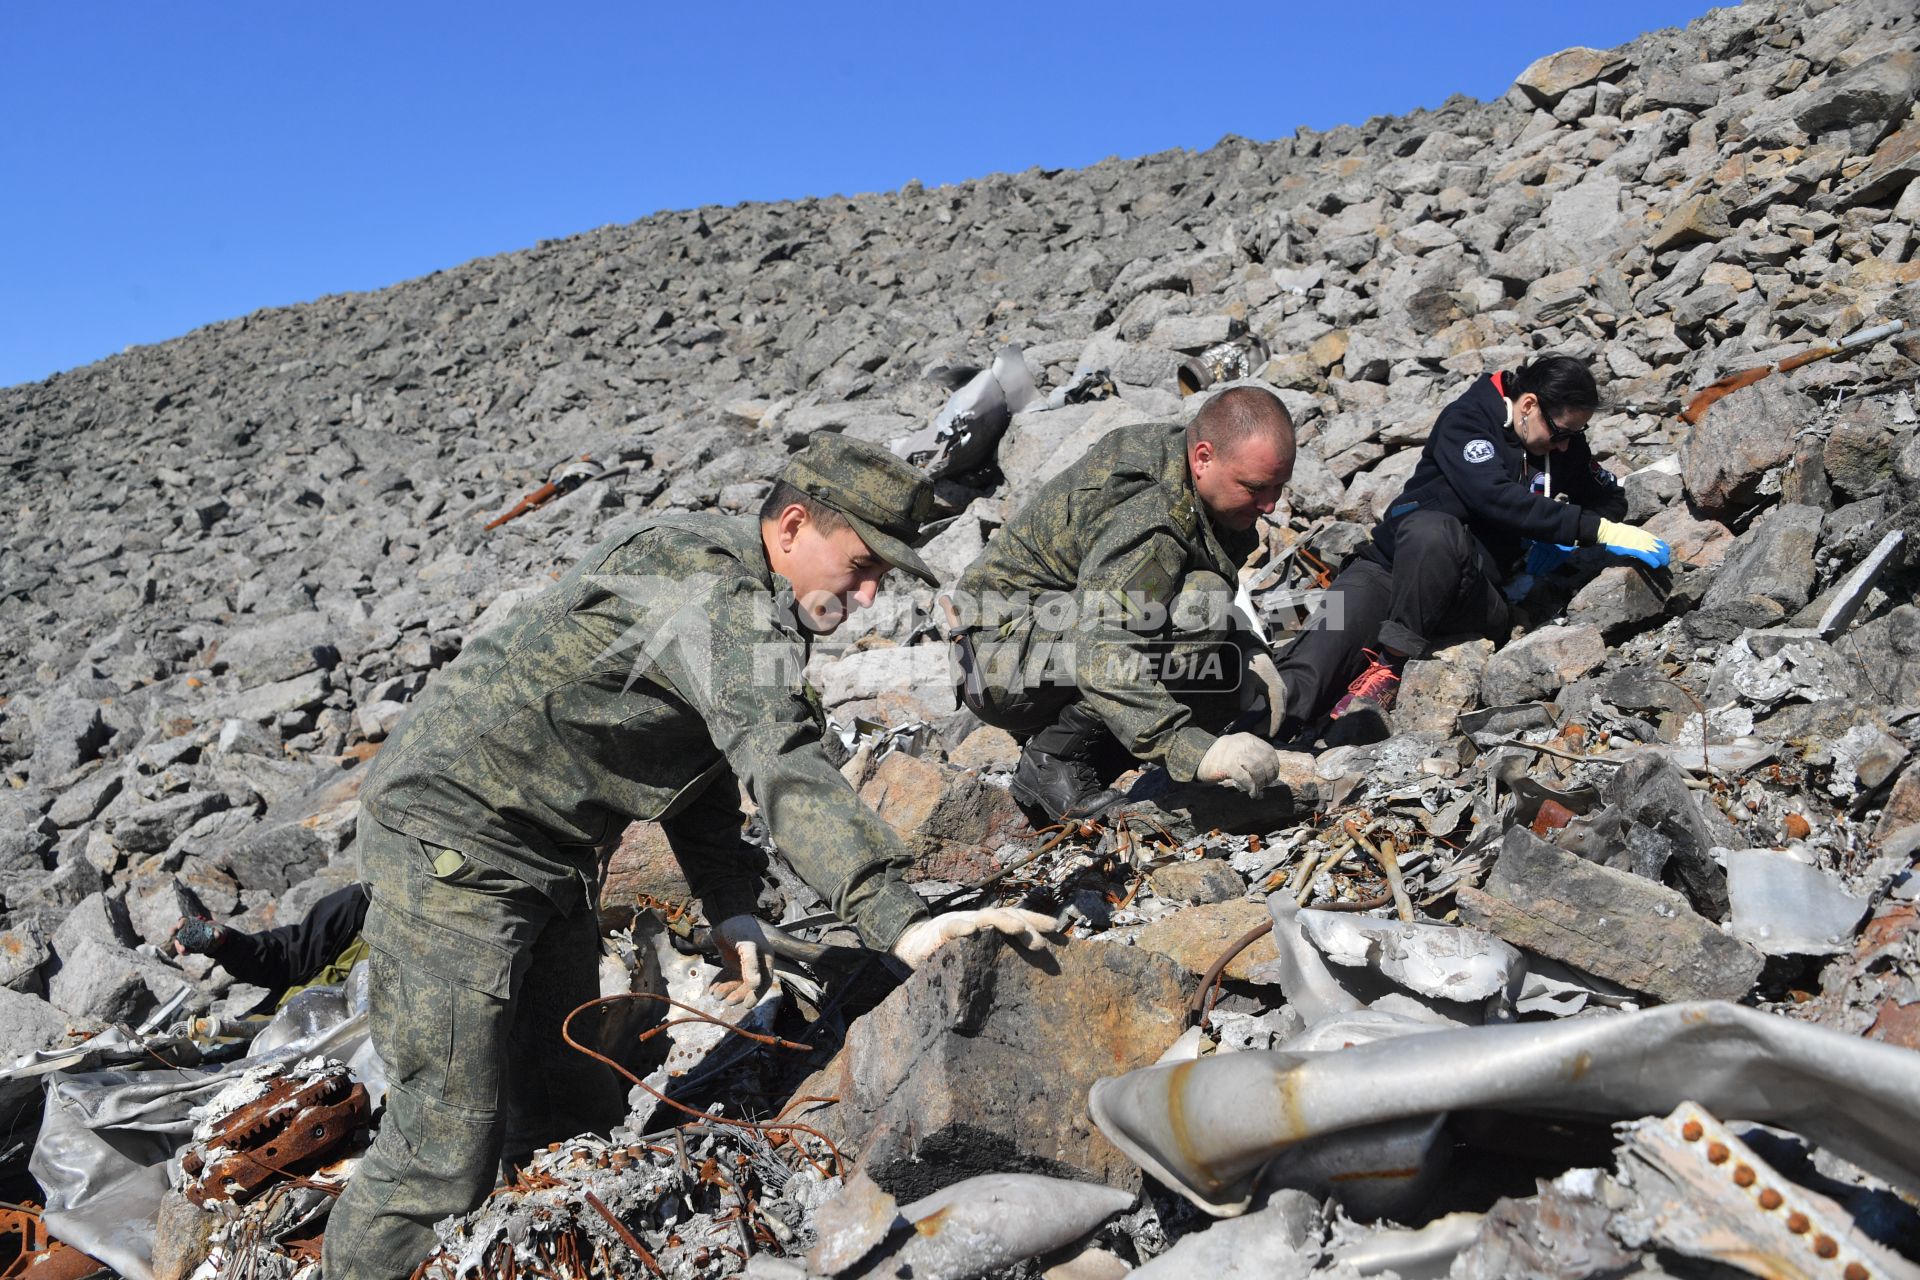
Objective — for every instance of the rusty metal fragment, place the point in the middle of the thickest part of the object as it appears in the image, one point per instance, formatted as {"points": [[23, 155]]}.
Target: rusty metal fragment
{"points": [[294, 1127], [1701, 1191]]}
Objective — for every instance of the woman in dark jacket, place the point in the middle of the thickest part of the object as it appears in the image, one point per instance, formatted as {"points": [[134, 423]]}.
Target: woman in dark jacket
{"points": [[1505, 471]]}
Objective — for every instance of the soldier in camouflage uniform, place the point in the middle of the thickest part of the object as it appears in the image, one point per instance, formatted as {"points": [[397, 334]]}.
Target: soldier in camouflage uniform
{"points": [[651, 682], [1095, 620]]}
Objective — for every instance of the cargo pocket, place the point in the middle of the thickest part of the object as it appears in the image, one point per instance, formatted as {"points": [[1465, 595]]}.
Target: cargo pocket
{"points": [[438, 1007]]}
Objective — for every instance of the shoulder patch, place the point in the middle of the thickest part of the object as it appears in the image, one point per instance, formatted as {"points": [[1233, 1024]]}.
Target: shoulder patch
{"points": [[1149, 582], [1478, 450], [1603, 475]]}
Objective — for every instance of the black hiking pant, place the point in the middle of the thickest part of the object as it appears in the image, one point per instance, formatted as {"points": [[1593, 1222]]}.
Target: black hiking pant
{"points": [[1438, 584]]}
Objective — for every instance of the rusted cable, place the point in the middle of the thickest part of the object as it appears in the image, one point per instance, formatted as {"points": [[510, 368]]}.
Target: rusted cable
{"points": [[627, 1237], [566, 1034], [1209, 988], [1210, 980]]}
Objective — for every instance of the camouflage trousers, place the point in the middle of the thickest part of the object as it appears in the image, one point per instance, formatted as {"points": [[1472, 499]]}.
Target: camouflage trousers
{"points": [[1023, 676], [472, 973]]}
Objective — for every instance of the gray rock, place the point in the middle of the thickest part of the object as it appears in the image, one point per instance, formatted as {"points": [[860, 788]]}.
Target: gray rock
{"points": [[152, 827], [1858, 455], [1539, 662], [1611, 924], [110, 983], [54, 895], [269, 701], [296, 836], [1731, 449], [1877, 92], [924, 669], [1652, 793], [1546, 80], [68, 730], [1650, 491], [1313, 491], [1205, 880], [23, 951], [1191, 333], [1617, 601], [1767, 575], [280, 649], [1435, 691], [24, 848], [29, 1024], [83, 801], [1892, 644], [101, 917]]}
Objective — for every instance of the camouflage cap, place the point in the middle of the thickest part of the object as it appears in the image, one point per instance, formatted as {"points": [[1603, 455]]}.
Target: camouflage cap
{"points": [[884, 499]]}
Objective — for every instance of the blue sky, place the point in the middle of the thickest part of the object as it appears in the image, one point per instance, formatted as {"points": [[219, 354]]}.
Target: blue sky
{"points": [[169, 165]]}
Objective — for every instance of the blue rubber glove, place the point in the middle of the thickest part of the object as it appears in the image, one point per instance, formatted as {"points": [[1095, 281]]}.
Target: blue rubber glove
{"points": [[1625, 540], [1544, 557]]}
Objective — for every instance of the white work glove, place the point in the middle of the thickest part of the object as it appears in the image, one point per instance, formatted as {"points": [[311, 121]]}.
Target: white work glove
{"points": [[746, 961], [924, 937], [1243, 761], [1262, 683]]}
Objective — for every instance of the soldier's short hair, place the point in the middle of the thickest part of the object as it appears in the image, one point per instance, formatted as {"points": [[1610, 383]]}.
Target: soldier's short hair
{"points": [[1238, 413], [786, 495]]}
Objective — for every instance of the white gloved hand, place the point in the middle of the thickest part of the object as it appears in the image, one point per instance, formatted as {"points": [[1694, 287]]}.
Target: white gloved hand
{"points": [[1262, 684], [924, 937], [1243, 761], [746, 961]]}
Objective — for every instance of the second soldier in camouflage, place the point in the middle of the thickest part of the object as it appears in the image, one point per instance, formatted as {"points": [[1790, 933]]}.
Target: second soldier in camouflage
{"points": [[1094, 621]]}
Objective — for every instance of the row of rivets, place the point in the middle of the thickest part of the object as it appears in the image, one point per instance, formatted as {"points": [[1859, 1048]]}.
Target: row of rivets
{"points": [[1824, 1245]]}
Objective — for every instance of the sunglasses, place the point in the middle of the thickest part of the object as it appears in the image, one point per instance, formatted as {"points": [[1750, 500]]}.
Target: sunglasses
{"points": [[1555, 432]]}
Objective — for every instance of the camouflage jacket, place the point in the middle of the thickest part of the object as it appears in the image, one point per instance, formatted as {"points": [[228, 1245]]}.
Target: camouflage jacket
{"points": [[1121, 524], [661, 672]]}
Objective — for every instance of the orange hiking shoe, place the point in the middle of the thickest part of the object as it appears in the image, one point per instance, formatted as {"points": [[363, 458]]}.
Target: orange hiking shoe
{"points": [[1378, 684]]}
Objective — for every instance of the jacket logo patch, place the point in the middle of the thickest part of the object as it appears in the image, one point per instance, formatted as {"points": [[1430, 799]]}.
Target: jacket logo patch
{"points": [[1478, 451], [1149, 582]]}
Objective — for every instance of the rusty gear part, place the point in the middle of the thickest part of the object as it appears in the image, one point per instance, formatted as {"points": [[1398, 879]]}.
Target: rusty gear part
{"points": [[293, 1129]]}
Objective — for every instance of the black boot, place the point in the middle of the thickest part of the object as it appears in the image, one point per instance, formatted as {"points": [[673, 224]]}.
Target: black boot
{"points": [[1059, 777]]}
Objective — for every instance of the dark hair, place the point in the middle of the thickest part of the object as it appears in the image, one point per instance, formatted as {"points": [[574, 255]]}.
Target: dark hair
{"points": [[1240, 412], [1560, 382], [785, 495]]}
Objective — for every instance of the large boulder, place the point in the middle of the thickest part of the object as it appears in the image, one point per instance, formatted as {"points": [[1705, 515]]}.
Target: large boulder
{"points": [[1549, 901], [113, 984], [281, 649], [1549, 79], [29, 1024], [1540, 662], [1742, 437], [951, 820], [298, 835], [981, 1062], [1768, 574]]}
